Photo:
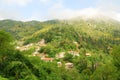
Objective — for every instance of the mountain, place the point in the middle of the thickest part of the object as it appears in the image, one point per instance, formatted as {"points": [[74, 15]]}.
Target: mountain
{"points": [[88, 33], [21, 29], [87, 49]]}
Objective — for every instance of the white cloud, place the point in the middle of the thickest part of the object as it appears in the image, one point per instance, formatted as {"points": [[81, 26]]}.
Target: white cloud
{"points": [[45, 1], [60, 12], [69, 13], [117, 16], [36, 16], [16, 2], [7, 14]]}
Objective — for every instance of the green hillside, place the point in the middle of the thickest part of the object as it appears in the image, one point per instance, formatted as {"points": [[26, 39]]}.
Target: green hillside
{"points": [[90, 34], [21, 30], [75, 49]]}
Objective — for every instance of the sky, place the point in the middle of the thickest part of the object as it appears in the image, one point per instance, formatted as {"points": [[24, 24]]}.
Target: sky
{"points": [[41, 10]]}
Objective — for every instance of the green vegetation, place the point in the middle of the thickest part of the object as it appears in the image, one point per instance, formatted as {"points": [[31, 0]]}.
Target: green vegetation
{"points": [[21, 30], [91, 50]]}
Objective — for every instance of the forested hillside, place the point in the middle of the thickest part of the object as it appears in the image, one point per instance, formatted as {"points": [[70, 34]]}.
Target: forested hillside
{"points": [[90, 34], [21, 29], [75, 49]]}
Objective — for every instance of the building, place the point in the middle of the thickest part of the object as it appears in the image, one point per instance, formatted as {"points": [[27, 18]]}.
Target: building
{"points": [[47, 59], [60, 55], [87, 54], [68, 65], [74, 53]]}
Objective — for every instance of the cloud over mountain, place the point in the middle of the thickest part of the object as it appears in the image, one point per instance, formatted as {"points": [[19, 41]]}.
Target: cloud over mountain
{"points": [[58, 9]]}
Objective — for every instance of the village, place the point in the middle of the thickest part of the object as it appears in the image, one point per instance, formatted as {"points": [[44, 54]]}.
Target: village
{"points": [[46, 58]]}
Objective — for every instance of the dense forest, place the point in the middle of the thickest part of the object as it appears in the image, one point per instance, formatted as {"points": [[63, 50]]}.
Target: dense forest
{"points": [[74, 49]]}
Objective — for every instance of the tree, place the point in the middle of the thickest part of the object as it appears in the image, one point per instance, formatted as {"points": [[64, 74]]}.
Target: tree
{"points": [[6, 42], [116, 59], [6, 45], [116, 56], [1, 78], [68, 57], [81, 64], [49, 49], [105, 72]]}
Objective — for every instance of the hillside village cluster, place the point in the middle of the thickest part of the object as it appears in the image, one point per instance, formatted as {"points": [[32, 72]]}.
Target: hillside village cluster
{"points": [[45, 57]]}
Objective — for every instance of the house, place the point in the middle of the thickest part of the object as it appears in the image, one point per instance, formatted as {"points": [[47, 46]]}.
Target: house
{"points": [[18, 47], [47, 59], [36, 54], [26, 47], [59, 64], [41, 43], [74, 53], [60, 55], [41, 55], [29, 45], [87, 54], [23, 48], [68, 65], [75, 42]]}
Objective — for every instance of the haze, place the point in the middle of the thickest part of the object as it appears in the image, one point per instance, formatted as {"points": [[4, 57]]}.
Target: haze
{"points": [[42, 10]]}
